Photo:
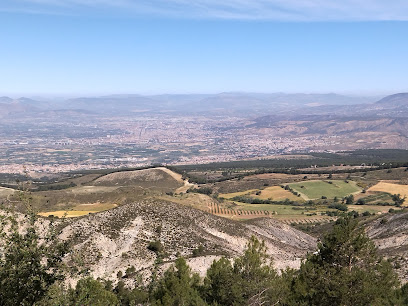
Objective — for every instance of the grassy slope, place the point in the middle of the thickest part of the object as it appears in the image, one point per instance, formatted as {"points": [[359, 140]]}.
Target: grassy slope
{"points": [[276, 193], [154, 183], [317, 189], [5, 192], [111, 189]]}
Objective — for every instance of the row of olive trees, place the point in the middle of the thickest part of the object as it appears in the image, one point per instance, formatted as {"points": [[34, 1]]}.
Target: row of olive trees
{"points": [[345, 270]]}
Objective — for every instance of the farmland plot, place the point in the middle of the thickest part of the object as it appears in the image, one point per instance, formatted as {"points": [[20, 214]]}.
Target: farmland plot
{"points": [[310, 190]]}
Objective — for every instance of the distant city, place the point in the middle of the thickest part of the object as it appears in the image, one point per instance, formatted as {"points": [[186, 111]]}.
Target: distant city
{"points": [[135, 131]]}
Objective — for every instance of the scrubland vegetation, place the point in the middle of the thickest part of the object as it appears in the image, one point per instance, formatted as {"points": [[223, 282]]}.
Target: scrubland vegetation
{"points": [[344, 270]]}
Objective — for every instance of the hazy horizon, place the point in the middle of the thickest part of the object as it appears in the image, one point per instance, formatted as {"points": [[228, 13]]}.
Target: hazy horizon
{"points": [[63, 96]]}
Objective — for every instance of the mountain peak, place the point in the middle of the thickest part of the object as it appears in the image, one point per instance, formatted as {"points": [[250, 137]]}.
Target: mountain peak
{"points": [[5, 99], [396, 100]]}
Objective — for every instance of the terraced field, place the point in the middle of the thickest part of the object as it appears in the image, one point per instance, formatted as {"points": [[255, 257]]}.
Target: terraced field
{"points": [[313, 189], [284, 213], [310, 190], [299, 219]]}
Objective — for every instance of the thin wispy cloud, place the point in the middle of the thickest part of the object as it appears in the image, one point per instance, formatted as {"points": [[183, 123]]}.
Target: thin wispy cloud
{"points": [[280, 10]]}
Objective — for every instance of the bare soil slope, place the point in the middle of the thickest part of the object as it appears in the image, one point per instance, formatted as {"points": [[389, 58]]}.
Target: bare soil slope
{"points": [[116, 239], [390, 233]]}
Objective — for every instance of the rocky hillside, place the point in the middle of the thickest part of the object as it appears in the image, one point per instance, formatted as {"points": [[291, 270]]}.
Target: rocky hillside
{"points": [[390, 233], [117, 239], [399, 100], [388, 115]]}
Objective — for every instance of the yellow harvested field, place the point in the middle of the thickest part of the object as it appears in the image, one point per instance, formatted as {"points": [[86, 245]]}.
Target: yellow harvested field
{"points": [[189, 199], [391, 188], [79, 210], [65, 213], [276, 193], [236, 194]]}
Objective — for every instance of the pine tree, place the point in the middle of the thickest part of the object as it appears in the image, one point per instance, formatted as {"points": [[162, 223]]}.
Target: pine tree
{"points": [[250, 280], [345, 270], [222, 285], [178, 287], [89, 291], [29, 262], [255, 270]]}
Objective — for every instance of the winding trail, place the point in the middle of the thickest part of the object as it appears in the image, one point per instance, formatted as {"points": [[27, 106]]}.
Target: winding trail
{"points": [[179, 178]]}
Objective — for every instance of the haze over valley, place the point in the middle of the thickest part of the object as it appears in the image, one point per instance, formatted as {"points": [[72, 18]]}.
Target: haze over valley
{"points": [[134, 130]]}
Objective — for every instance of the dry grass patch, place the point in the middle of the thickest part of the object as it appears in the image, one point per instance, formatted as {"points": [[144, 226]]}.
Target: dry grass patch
{"points": [[391, 188], [196, 200], [276, 193], [92, 189], [79, 210], [154, 178], [236, 194], [94, 207], [178, 177], [65, 213], [5, 192], [371, 208]]}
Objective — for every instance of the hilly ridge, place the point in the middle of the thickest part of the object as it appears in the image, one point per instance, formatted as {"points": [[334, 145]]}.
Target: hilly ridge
{"points": [[229, 102], [396, 100], [385, 121], [390, 234], [105, 242], [116, 239]]}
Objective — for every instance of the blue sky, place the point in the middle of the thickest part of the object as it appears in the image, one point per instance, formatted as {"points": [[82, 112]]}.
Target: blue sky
{"points": [[95, 47]]}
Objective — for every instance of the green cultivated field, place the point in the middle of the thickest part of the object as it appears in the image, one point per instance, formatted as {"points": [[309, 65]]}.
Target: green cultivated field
{"points": [[316, 189]]}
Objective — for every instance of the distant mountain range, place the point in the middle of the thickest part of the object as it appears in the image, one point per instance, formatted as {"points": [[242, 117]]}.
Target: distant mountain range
{"points": [[224, 103], [23, 105], [388, 116]]}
